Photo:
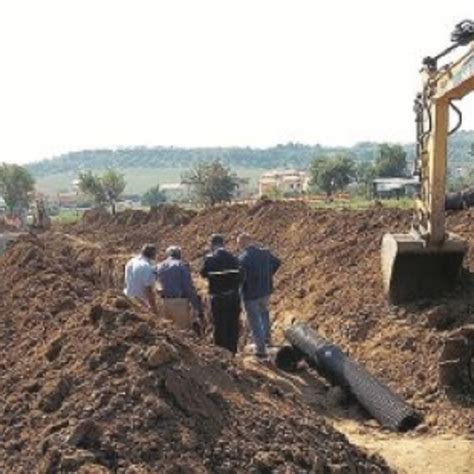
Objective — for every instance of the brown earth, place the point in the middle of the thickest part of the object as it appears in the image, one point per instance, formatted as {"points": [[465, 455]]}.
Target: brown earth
{"points": [[330, 277], [90, 383]]}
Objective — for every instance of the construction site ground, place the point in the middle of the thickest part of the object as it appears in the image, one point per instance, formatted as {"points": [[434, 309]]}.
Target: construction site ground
{"points": [[93, 383]]}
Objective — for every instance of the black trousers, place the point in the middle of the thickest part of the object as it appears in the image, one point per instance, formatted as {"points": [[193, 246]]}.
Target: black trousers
{"points": [[225, 311]]}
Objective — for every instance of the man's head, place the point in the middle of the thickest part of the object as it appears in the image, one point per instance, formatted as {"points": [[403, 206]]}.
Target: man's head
{"points": [[244, 240], [217, 241], [173, 251], [149, 251]]}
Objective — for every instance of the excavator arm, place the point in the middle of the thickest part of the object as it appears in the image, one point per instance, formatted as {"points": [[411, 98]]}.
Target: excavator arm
{"points": [[442, 87], [428, 260]]}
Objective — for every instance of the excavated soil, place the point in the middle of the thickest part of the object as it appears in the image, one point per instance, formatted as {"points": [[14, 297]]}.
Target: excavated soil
{"points": [[331, 278], [76, 373], [91, 383]]}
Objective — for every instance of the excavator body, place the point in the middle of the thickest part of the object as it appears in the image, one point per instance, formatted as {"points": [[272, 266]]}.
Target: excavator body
{"points": [[427, 261]]}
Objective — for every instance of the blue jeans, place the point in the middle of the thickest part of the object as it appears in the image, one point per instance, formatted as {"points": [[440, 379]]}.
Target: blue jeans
{"points": [[259, 320]]}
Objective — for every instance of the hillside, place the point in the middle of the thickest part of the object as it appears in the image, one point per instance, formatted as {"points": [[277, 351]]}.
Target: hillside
{"points": [[144, 167]]}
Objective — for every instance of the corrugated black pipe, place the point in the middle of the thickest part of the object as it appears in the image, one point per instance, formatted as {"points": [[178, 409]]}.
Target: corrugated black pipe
{"points": [[383, 404]]}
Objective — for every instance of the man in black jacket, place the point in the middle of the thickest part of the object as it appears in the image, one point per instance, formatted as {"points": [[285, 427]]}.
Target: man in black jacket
{"points": [[222, 270]]}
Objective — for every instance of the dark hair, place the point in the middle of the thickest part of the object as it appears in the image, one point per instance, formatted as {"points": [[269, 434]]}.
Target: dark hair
{"points": [[217, 240], [149, 251], [174, 252]]}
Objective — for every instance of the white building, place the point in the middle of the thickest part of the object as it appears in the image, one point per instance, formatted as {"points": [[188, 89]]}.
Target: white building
{"points": [[175, 191], [283, 181], [3, 206], [395, 187]]}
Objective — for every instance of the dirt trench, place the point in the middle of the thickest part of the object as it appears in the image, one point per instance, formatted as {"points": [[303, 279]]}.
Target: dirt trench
{"points": [[92, 383], [330, 278]]}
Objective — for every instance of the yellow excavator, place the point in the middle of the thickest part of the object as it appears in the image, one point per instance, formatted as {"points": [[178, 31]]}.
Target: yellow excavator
{"points": [[427, 260]]}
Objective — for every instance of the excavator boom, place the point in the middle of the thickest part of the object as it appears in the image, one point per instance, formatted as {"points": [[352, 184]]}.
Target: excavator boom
{"points": [[427, 261]]}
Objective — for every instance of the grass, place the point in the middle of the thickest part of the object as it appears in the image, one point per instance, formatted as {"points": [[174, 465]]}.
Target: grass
{"points": [[67, 216], [138, 179]]}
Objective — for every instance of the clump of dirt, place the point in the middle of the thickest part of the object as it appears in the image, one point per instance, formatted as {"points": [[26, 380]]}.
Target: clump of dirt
{"points": [[331, 278], [91, 383]]}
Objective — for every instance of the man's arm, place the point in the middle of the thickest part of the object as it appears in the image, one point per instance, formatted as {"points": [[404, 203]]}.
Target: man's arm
{"points": [[189, 289], [240, 268], [151, 298], [204, 271], [125, 278], [149, 280]]}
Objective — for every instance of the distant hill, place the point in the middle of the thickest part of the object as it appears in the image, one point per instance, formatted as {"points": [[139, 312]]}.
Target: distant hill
{"points": [[144, 167]]}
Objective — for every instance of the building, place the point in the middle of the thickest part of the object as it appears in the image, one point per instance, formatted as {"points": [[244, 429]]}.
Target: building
{"points": [[395, 187], [175, 191], [68, 200], [283, 181], [3, 206]]}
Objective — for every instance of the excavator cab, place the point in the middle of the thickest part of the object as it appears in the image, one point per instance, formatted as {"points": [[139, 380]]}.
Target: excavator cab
{"points": [[427, 261]]}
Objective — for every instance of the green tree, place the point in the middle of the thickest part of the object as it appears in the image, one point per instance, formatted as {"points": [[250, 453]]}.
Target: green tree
{"points": [[103, 189], [153, 197], [16, 187], [391, 161], [364, 174], [332, 174], [211, 182]]}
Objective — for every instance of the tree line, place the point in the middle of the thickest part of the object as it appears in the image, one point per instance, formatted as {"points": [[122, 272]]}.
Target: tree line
{"points": [[291, 155], [212, 181]]}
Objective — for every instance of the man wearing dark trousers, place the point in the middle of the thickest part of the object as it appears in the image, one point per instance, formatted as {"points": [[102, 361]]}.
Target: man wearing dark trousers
{"points": [[222, 270]]}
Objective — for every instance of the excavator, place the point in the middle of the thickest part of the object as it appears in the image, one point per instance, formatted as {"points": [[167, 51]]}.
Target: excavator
{"points": [[427, 260]]}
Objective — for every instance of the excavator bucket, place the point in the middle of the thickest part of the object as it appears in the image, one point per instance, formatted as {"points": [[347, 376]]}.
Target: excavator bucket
{"points": [[412, 270]]}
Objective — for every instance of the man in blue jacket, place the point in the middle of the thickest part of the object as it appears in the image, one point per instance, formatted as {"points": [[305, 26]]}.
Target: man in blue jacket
{"points": [[178, 291], [258, 266]]}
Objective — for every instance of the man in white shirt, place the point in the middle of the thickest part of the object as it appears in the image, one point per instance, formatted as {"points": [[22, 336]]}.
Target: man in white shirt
{"points": [[140, 277]]}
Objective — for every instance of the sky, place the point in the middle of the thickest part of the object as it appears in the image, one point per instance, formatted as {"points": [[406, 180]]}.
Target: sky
{"points": [[83, 74]]}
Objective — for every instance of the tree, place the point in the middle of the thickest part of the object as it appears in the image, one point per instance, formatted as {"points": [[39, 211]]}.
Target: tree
{"points": [[103, 189], [391, 161], [153, 197], [332, 174], [16, 187], [365, 174], [211, 182]]}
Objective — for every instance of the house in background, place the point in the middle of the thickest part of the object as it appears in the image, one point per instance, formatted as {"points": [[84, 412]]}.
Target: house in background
{"points": [[67, 200], [283, 181], [395, 187], [175, 192]]}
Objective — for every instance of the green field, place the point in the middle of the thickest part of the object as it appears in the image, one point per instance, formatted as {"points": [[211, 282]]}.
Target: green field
{"points": [[138, 179]]}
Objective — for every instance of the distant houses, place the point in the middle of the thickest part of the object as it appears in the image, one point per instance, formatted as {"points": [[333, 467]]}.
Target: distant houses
{"points": [[175, 192], [385, 188], [283, 182]]}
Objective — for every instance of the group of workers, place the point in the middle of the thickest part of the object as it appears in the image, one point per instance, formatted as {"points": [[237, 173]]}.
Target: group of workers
{"points": [[233, 281]]}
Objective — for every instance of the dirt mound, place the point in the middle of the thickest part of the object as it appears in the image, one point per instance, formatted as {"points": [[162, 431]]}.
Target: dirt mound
{"points": [[91, 384], [331, 277], [164, 215]]}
